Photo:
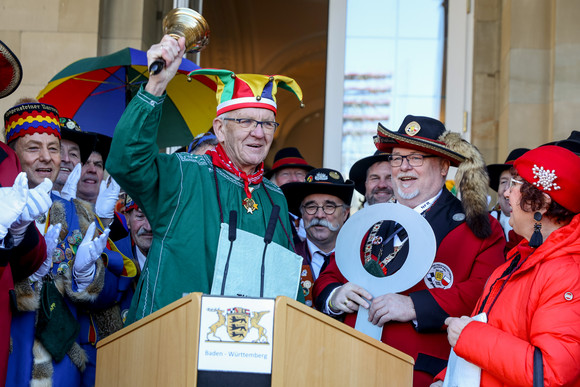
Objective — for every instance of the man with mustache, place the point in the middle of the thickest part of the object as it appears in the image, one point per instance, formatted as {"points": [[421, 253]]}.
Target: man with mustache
{"points": [[323, 200], [140, 230], [469, 245]]}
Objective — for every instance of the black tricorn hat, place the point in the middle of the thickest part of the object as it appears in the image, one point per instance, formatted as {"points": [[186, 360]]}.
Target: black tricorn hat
{"points": [[288, 158], [495, 170], [70, 130], [321, 180], [358, 171], [419, 133]]}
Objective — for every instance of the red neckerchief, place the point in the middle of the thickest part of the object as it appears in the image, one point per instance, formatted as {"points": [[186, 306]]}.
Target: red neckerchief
{"points": [[220, 159]]}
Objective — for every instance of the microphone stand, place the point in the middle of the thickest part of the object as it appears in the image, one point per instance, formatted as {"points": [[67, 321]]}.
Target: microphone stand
{"points": [[232, 227], [267, 239]]}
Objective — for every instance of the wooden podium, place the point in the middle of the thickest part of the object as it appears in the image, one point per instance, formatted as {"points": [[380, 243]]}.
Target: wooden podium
{"points": [[309, 348]]}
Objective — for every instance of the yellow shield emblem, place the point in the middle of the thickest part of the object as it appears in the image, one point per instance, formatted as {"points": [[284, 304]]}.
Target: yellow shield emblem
{"points": [[238, 323], [412, 128]]}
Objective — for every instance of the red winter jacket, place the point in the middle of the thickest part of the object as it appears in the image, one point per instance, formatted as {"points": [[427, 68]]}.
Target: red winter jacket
{"points": [[538, 306]]}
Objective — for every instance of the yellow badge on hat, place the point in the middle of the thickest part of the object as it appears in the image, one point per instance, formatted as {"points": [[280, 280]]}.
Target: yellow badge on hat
{"points": [[334, 175], [412, 128]]}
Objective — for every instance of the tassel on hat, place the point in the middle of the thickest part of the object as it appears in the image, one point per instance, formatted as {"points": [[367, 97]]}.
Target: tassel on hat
{"points": [[472, 180]]}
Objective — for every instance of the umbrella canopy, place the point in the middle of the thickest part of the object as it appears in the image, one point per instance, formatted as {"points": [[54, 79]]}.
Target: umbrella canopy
{"points": [[95, 91]]}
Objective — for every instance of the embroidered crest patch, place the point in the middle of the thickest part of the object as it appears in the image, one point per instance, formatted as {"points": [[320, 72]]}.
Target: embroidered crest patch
{"points": [[321, 176], [439, 276], [412, 128]]}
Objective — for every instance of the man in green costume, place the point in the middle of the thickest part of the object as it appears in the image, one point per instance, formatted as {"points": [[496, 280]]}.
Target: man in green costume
{"points": [[186, 197]]}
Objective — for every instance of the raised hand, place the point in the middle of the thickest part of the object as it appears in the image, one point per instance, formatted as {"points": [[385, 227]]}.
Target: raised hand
{"points": [[12, 202], [108, 196], [171, 52], [69, 191], [38, 203], [87, 254], [51, 237]]}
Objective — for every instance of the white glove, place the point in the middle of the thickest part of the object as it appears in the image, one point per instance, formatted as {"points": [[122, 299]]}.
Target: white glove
{"points": [[51, 238], [12, 202], [38, 203], [88, 252], [108, 196], [69, 190]]}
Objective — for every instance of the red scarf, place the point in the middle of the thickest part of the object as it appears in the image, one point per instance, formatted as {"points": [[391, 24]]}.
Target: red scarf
{"points": [[220, 159]]}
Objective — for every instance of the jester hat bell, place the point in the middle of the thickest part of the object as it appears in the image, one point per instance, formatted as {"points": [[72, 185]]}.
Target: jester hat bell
{"points": [[238, 91]]}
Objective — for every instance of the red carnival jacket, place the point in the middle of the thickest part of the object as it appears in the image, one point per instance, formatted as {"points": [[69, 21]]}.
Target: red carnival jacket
{"points": [[462, 264]]}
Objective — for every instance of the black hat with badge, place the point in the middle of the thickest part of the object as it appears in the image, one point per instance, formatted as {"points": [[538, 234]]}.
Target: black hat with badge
{"points": [[358, 171], [424, 134], [71, 131], [321, 180]]}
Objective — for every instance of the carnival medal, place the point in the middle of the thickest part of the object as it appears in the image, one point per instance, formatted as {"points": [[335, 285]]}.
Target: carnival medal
{"points": [[250, 205]]}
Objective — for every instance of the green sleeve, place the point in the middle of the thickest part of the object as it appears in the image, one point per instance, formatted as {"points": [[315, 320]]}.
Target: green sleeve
{"points": [[133, 159]]}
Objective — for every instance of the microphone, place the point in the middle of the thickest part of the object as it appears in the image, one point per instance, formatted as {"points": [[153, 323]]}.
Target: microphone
{"points": [[267, 239], [271, 224], [232, 226]]}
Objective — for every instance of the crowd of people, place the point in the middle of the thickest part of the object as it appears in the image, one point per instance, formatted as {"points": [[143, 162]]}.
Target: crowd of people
{"points": [[83, 254]]}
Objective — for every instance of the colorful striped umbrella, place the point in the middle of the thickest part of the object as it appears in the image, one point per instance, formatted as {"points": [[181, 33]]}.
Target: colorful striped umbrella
{"points": [[95, 91]]}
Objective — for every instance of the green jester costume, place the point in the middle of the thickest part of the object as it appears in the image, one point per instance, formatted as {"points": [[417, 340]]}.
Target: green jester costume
{"points": [[186, 198]]}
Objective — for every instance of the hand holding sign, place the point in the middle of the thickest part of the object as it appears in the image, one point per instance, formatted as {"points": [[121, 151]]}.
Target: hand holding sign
{"points": [[422, 248]]}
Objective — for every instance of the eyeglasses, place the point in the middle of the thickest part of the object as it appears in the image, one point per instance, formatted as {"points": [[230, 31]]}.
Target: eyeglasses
{"points": [[328, 208], [513, 183], [246, 123], [414, 160], [300, 175]]}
